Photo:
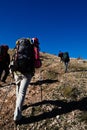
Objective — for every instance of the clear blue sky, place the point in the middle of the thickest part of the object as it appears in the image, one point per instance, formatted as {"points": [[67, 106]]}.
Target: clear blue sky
{"points": [[59, 24]]}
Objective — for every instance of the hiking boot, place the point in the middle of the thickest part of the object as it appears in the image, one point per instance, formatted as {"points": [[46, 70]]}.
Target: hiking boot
{"points": [[3, 81], [18, 122]]}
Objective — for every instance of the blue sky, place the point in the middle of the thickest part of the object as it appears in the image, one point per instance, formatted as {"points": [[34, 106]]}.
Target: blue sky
{"points": [[59, 24]]}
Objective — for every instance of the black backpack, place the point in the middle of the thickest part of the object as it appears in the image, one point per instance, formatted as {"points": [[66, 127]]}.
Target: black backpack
{"points": [[24, 56], [65, 57]]}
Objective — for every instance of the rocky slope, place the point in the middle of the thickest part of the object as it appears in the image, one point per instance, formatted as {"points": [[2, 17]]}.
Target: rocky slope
{"points": [[54, 100]]}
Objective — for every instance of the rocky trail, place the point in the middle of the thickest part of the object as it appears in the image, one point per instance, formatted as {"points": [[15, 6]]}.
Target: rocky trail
{"points": [[54, 100]]}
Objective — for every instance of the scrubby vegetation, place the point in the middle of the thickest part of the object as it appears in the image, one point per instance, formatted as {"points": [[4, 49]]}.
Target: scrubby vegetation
{"points": [[54, 101]]}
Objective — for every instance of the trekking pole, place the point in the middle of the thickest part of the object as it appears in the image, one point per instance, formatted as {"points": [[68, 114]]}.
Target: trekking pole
{"points": [[40, 79]]}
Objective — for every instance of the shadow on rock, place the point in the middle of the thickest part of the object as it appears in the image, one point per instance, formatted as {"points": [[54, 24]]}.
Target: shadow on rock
{"points": [[62, 107], [47, 81]]}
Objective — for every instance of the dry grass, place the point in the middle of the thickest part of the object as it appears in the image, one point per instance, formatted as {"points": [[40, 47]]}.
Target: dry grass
{"points": [[54, 101]]}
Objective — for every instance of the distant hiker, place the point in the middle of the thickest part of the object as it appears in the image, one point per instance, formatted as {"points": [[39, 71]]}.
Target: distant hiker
{"points": [[4, 63], [64, 56], [24, 69], [60, 55]]}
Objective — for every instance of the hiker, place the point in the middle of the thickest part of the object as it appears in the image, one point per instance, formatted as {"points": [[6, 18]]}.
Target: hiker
{"points": [[4, 70], [64, 56], [24, 70], [60, 55]]}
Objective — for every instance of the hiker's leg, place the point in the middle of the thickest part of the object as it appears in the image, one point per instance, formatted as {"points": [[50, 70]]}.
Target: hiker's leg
{"points": [[20, 96], [5, 74], [17, 81], [1, 70], [66, 66]]}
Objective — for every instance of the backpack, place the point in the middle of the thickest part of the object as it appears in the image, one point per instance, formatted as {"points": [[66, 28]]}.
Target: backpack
{"points": [[60, 54], [24, 56], [37, 61], [65, 57]]}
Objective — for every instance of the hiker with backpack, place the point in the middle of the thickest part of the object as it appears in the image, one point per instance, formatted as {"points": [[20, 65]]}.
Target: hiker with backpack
{"points": [[64, 56], [23, 68], [60, 55], [4, 63]]}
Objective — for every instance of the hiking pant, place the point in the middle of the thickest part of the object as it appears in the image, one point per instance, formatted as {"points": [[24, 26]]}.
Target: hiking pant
{"points": [[66, 66], [6, 73], [1, 69], [22, 82]]}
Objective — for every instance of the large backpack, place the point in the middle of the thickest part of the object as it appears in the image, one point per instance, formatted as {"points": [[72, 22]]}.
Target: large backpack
{"points": [[35, 43], [66, 57], [37, 61], [24, 56]]}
